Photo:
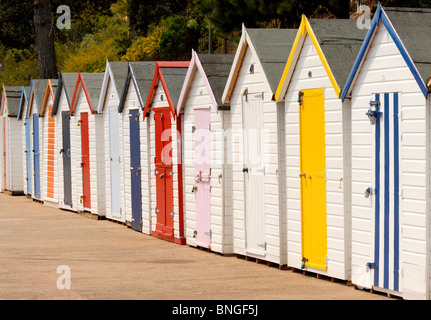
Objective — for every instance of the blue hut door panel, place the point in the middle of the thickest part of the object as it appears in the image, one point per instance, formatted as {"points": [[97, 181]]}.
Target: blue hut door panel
{"points": [[36, 156], [28, 153], [135, 170], [114, 143], [386, 200]]}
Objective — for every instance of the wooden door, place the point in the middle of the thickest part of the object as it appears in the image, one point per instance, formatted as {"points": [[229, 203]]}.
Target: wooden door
{"points": [[312, 175], [28, 153], [36, 156], [51, 154], [114, 147], [164, 173], [202, 146], [254, 174], [67, 168], [385, 267], [135, 170], [85, 161]]}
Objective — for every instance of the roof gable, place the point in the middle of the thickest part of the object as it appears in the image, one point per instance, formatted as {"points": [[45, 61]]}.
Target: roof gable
{"points": [[115, 75], [271, 46], [66, 81], [171, 75], [214, 69], [11, 98], [49, 91], [336, 41], [402, 25], [89, 84], [140, 74], [23, 102]]}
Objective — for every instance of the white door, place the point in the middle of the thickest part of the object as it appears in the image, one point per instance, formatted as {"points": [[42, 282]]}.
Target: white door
{"points": [[254, 173], [114, 143]]}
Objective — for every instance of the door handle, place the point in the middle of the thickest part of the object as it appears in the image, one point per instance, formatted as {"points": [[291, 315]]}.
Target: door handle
{"points": [[302, 174], [245, 170]]}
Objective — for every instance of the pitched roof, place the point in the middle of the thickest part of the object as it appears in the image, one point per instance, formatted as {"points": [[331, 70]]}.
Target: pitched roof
{"points": [[38, 91], [409, 29], [91, 83], [50, 89], [13, 96], [141, 74], [217, 68], [119, 72], [68, 82], [115, 73], [413, 26], [340, 41], [272, 46]]}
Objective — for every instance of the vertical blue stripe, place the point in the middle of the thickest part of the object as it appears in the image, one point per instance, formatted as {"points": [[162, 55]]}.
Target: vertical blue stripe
{"points": [[377, 200], [386, 195], [396, 192]]}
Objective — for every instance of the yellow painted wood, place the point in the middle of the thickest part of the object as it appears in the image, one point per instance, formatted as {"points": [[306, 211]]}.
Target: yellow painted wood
{"points": [[303, 30], [312, 175]]}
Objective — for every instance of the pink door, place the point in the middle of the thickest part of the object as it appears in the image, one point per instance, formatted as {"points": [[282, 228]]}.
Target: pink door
{"points": [[202, 141]]}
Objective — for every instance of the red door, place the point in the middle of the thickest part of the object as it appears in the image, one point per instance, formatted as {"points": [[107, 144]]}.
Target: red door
{"points": [[164, 173], [85, 162]]}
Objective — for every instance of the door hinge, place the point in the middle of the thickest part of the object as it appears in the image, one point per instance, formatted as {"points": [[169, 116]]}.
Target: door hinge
{"points": [[262, 245], [210, 233]]}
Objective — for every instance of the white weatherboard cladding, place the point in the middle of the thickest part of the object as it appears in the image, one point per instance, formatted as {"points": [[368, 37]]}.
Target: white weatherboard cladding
{"points": [[221, 190], [157, 103], [14, 159], [132, 103], [96, 167], [377, 76], [63, 105], [112, 101], [44, 158], [256, 83], [338, 222]]}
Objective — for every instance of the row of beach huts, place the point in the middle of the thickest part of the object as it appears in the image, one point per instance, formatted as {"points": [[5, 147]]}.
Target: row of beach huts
{"points": [[309, 148]]}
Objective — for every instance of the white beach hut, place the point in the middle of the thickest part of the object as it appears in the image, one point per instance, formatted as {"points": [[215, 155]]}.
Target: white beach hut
{"points": [[389, 92], [135, 145], [259, 217], [207, 173], [317, 122]]}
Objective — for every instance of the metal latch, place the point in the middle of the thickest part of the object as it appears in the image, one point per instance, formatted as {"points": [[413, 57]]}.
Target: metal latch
{"points": [[372, 265], [303, 261], [210, 233], [368, 192], [194, 189], [373, 113]]}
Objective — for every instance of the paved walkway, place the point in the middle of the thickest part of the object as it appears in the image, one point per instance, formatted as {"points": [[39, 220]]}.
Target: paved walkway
{"points": [[110, 261]]}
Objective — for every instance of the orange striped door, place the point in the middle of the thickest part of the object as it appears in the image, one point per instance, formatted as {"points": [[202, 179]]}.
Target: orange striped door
{"points": [[51, 147]]}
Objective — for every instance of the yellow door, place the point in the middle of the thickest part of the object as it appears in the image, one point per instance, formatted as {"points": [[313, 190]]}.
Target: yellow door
{"points": [[312, 175]]}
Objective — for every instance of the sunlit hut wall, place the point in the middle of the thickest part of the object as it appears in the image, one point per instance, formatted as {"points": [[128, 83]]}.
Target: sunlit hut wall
{"points": [[61, 112], [87, 146], [207, 173], [317, 124], [25, 141], [48, 160], [11, 144], [136, 145], [113, 81], [257, 122], [165, 150], [390, 154]]}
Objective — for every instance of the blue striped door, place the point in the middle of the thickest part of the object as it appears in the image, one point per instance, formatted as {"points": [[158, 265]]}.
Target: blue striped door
{"points": [[387, 186], [28, 152], [135, 170], [36, 155]]}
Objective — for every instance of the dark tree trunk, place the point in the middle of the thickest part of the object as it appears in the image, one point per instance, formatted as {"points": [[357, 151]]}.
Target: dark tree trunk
{"points": [[44, 40]]}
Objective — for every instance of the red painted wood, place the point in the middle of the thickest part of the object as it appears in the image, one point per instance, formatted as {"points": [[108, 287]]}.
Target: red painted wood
{"points": [[85, 162]]}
